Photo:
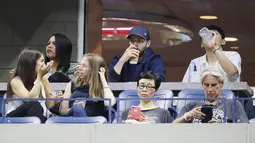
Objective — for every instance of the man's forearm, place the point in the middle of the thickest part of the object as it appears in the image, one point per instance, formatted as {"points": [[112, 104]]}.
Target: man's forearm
{"points": [[225, 63], [179, 120], [118, 67]]}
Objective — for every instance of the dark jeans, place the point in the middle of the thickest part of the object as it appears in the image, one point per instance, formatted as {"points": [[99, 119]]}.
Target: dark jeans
{"points": [[76, 111], [248, 107], [28, 109]]}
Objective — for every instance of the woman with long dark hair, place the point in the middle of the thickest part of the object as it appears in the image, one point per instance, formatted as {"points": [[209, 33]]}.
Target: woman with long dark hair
{"points": [[28, 81], [59, 50]]}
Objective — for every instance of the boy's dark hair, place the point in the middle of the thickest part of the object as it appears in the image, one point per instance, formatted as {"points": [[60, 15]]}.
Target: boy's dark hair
{"points": [[152, 76], [217, 28]]}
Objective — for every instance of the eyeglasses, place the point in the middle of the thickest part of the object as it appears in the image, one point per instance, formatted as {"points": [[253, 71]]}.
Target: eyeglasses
{"points": [[141, 86]]}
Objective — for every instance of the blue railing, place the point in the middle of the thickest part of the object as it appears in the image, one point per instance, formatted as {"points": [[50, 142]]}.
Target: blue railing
{"points": [[118, 100], [63, 99], [138, 99]]}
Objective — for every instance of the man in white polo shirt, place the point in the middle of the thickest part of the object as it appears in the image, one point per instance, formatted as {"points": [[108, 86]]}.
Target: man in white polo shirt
{"points": [[229, 62]]}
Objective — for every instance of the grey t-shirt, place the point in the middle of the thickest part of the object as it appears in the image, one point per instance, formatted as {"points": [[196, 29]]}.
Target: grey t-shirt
{"points": [[157, 115], [218, 111]]}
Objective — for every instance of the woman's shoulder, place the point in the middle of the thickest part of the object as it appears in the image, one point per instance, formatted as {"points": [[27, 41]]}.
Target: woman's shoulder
{"points": [[16, 79]]}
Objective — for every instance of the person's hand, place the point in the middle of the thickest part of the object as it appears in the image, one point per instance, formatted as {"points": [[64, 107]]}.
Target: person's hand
{"points": [[82, 103], [142, 117], [11, 73], [211, 43], [43, 69], [101, 73], [195, 113], [60, 96], [131, 52], [76, 70], [214, 121]]}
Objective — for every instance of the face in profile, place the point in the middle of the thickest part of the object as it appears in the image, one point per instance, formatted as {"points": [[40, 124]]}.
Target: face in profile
{"points": [[146, 88], [39, 63], [212, 86], [84, 68], [51, 48], [139, 42]]}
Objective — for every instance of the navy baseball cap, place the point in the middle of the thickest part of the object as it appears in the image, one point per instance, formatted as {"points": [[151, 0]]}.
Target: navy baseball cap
{"points": [[140, 31]]}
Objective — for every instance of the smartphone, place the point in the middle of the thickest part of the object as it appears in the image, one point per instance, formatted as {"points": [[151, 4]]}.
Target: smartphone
{"points": [[135, 112], [208, 111]]}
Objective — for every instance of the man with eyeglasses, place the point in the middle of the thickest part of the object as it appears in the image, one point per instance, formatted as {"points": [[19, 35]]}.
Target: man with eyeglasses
{"points": [[147, 85], [137, 58]]}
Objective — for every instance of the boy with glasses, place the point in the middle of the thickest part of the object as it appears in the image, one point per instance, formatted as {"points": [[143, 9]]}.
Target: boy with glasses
{"points": [[147, 85]]}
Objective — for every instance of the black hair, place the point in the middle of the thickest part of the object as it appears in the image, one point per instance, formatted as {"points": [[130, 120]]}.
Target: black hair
{"points": [[63, 51], [218, 29], [152, 76]]}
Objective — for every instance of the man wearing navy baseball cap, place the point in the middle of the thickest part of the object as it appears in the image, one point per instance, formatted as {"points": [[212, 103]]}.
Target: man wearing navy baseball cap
{"points": [[137, 58]]}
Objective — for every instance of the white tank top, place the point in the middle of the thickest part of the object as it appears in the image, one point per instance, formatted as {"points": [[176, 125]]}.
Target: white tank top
{"points": [[14, 104]]}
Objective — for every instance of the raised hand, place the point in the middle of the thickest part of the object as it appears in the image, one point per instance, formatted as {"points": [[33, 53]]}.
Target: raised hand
{"points": [[43, 69], [101, 73], [131, 52]]}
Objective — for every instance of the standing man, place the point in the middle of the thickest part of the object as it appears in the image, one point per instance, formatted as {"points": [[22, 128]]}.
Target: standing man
{"points": [[137, 58], [229, 62]]}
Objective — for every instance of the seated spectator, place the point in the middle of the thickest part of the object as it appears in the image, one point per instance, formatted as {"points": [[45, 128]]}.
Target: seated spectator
{"points": [[28, 81], [90, 83], [147, 85], [59, 50], [212, 81], [137, 58]]}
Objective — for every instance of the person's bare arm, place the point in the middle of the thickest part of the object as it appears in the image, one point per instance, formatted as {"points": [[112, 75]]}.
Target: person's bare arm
{"points": [[65, 103], [20, 90], [107, 90], [194, 113], [48, 91], [225, 63]]}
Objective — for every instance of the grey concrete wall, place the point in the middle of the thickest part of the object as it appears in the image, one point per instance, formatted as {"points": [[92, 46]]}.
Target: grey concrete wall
{"points": [[30, 24], [128, 133]]}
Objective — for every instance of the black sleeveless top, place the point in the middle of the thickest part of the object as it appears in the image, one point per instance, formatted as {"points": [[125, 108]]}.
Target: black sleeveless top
{"points": [[92, 108]]}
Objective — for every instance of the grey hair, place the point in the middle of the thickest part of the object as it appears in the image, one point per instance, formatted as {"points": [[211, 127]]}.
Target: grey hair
{"points": [[214, 72]]}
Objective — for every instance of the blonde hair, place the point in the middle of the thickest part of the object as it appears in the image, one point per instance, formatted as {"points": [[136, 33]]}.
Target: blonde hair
{"points": [[93, 79], [214, 72]]}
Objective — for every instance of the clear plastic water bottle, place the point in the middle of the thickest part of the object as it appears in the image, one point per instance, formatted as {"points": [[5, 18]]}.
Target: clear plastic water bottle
{"points": [[206, 34]]}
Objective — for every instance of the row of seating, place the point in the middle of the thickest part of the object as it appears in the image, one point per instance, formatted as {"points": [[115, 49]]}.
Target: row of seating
{"points": [[186, 93], [54, 120], [166, 104]]}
